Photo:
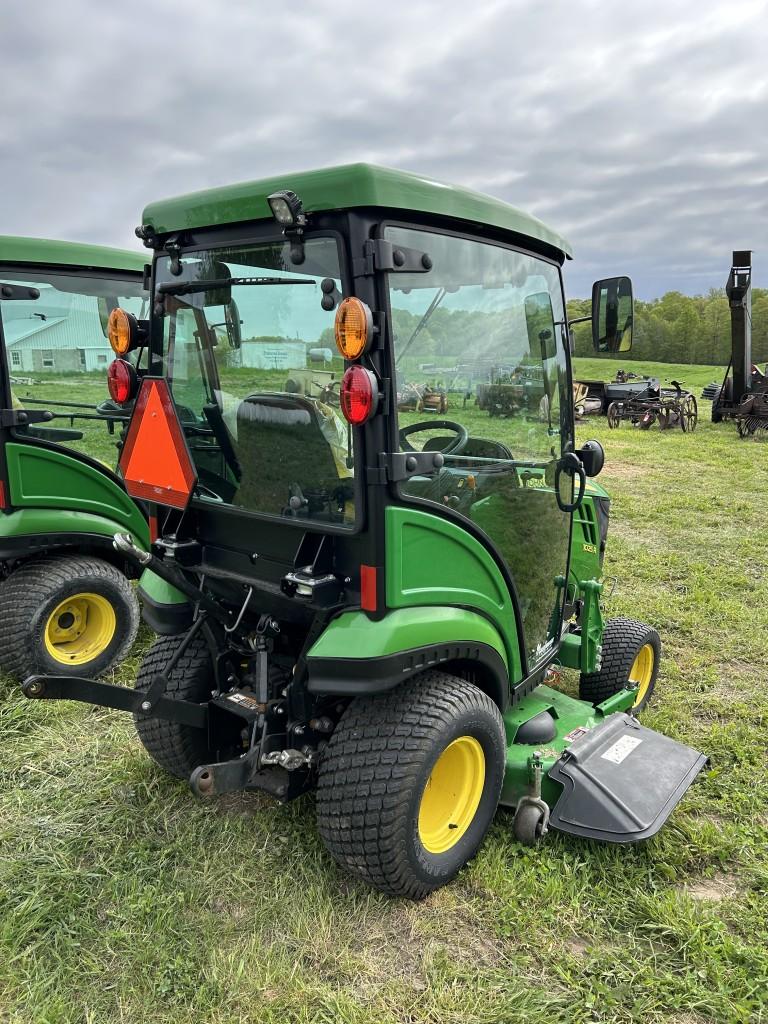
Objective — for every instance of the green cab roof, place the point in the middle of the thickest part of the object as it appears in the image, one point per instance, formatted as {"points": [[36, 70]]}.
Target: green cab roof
{"points": [[341, 188], [14, 249]]}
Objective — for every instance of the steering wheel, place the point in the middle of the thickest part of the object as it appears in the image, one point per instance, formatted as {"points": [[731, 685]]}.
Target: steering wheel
{"points": [[462, 434]]}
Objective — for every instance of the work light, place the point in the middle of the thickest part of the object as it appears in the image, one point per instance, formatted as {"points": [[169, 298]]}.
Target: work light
{"points": [[287, 208]]}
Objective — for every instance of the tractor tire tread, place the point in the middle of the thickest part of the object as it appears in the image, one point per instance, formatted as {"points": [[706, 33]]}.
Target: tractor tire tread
{"points": [[380, 745], [176, 747], [622, 638], [27, 589]]}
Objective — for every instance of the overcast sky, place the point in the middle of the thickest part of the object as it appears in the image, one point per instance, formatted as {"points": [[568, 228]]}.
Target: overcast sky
{"points": [[637, 129]]}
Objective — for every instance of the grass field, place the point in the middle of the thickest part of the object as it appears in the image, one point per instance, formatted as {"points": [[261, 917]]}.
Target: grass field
{"points": [[122, 899]]}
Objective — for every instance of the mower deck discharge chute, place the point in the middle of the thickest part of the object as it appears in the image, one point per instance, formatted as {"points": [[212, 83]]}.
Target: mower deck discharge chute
{"points": [[364, 595]]}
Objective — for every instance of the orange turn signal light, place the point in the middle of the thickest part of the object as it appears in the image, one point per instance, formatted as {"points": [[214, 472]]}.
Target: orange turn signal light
{"points": [[122, 331], [353, 327]]}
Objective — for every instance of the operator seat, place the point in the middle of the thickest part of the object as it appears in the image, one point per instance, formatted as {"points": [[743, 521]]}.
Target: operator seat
{"points": [[284, 454]]}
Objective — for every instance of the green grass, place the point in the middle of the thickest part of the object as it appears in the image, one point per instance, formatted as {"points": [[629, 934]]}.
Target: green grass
{"points": [[122, 899]]}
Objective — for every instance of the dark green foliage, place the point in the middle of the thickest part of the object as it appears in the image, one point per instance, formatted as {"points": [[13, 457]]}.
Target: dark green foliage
{"points": [[683, 329]]}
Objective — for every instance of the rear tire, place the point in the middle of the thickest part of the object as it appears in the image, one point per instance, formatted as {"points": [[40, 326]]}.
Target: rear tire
{"points": [[66, 615], [395, 805], [631, 650], [177, 748]]}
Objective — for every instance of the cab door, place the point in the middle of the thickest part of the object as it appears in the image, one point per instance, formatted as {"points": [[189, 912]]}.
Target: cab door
{"points": [[481, 372]]}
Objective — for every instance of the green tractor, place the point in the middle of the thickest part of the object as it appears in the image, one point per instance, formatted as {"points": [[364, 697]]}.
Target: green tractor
{"points": [[370, 602], [65, 601]]}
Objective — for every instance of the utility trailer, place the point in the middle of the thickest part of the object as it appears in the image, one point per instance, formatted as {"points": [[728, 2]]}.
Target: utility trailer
{"points": [[367, 601]]}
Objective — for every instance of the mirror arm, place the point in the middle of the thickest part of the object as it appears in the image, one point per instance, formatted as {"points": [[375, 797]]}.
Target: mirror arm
{"points": [[579, 320]]}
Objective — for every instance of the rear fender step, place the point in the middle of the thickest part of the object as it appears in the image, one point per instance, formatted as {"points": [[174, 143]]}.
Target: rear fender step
{"points": [[621, 781]]}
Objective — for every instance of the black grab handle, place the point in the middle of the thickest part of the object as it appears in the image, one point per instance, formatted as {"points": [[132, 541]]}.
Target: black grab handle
{"points": [[571, 464]]}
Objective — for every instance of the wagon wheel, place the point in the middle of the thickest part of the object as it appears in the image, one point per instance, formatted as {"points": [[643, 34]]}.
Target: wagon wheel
{"points": [[689, 414], [614, 415]]}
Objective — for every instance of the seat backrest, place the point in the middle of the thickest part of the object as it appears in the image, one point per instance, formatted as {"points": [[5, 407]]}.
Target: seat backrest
{"points": [[282, 452]]}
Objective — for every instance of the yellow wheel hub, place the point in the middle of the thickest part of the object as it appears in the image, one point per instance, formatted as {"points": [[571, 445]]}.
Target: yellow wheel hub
{"points": [[452, 795], [80, 629], [642, 672]]}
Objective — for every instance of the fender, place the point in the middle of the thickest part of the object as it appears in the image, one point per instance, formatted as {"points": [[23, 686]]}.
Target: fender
{"points": [[356, 655], [26, 531], [43, 478]]}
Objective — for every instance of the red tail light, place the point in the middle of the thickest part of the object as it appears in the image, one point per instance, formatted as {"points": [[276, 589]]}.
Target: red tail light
{"points": [[368, 588], [358, 395], [121, 381]]}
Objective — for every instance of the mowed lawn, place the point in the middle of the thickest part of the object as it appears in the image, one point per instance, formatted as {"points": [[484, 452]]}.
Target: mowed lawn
{"points": [[123, 899]]}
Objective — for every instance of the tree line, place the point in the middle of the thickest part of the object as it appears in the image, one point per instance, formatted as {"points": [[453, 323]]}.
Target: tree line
{"points": [[681, 328]]}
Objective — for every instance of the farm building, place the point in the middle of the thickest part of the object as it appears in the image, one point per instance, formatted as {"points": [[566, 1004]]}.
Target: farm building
{"points": [[61, 332]]}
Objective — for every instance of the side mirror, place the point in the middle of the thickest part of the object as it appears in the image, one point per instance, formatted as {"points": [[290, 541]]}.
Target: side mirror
{"points": [[233, 324], [540, 322], [612, 315], [592, 457]]}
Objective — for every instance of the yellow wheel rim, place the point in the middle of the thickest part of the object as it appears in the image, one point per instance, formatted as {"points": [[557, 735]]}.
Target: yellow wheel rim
{"points": [[452, 795], [642, 672], [80, 628]]}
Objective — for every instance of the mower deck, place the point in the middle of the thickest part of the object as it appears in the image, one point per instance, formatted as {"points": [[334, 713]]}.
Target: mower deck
{"points": [[603, 775]]}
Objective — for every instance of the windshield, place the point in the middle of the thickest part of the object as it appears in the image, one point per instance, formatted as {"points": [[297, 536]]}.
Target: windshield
{"points": [[57, 351], [249, 353]]}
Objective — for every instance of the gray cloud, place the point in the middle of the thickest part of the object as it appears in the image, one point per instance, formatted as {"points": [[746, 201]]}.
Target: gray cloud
{"points": [[635, 129]]}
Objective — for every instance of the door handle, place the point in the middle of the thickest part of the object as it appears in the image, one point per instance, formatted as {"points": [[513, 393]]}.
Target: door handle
{"points": [[570, 464]]}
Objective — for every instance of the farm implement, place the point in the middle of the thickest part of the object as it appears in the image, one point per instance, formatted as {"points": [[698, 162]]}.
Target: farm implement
{"points": [[669, 407], [743, 394]]}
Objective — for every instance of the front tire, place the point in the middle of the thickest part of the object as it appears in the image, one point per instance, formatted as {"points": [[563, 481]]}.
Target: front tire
{"points": [[631, 652], [410, 781], [66, 615]]}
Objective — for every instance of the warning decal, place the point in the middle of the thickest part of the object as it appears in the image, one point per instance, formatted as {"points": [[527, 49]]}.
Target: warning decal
{"points": [[621, 749]]}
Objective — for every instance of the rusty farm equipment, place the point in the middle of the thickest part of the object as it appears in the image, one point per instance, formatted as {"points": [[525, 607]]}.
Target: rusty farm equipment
{"points": [[743, 395], [669, 407]]}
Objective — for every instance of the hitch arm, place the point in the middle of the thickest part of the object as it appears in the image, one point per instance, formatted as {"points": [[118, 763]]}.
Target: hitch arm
{"points": [[106, 695]]}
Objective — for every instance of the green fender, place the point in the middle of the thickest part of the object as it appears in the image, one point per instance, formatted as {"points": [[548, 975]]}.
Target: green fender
{"points": [[46, 479], [55, 523], [432, 561], [359, 655]]}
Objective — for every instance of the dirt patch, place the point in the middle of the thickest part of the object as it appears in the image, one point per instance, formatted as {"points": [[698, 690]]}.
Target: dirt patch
{"points": [[624, 471], [712, 890], [578, 947]]}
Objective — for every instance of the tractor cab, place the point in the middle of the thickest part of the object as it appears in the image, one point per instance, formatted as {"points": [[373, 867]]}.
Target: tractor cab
{"points": [[375, 539], [65, 598]]}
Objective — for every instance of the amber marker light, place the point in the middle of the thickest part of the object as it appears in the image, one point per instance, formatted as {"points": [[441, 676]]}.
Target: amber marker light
{"points": [[353, 327], [122, 331]]}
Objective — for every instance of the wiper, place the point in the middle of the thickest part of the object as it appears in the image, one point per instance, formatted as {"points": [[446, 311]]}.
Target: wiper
{"points": [[439, 296], [187, 287]]}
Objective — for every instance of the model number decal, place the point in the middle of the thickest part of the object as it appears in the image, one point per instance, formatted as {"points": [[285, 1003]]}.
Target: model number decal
{"points": [[590, 548], [621, 748]]}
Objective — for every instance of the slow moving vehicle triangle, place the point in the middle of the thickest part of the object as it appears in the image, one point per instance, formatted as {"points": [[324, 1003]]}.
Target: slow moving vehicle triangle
{"points": [[155, 462]]}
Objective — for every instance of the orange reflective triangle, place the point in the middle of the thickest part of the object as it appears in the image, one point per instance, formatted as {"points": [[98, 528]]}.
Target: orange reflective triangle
{"points": [[155, 462]]}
